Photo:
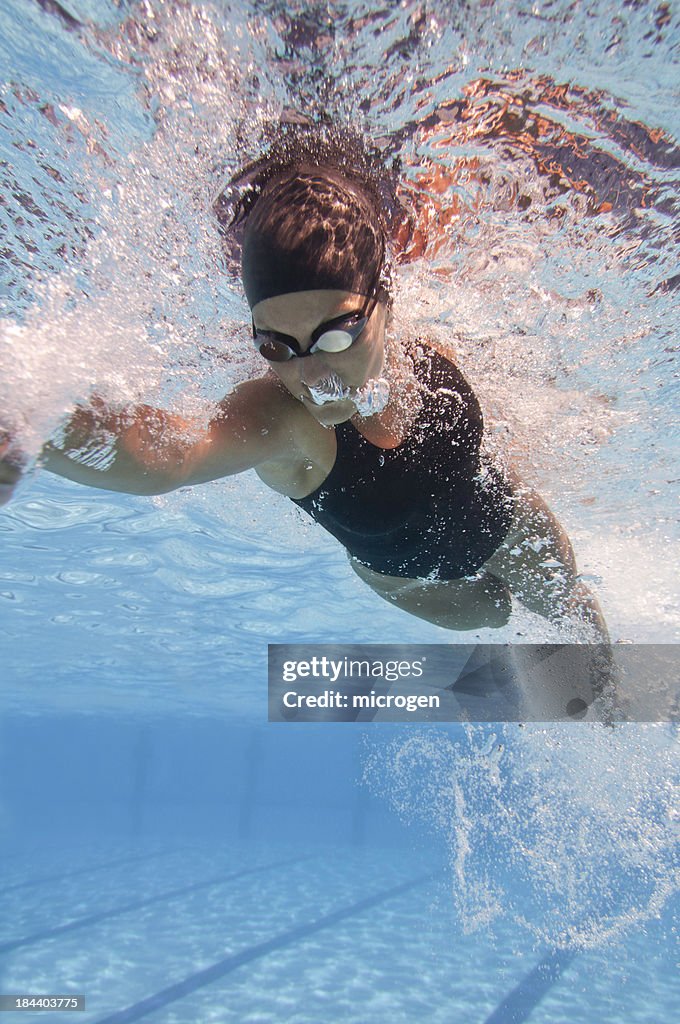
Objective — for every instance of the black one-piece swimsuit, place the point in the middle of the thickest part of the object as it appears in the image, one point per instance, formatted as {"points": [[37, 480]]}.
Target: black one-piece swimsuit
{"points": [[430, 508]]}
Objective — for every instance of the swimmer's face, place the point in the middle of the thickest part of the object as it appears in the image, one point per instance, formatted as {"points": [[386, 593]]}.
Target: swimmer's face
{"points": [[299, 314]]}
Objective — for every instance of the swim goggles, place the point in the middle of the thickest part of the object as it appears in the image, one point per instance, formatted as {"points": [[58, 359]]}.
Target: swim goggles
{"points": [[335, 335]]}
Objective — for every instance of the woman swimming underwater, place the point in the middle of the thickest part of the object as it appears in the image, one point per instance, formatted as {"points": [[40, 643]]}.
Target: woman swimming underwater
{"points": [[379, 442]]}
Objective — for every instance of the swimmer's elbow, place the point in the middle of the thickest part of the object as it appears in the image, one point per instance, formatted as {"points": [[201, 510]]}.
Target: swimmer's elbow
{"points": [[147, 486], [157, 457]]}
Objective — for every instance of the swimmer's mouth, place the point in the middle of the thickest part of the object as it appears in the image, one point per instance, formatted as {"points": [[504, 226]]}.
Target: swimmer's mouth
{"points": [[329, 389], [370, 399]]}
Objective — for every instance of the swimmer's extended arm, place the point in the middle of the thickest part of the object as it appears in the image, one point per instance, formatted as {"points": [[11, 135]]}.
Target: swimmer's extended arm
{"points": [[143, 450]]}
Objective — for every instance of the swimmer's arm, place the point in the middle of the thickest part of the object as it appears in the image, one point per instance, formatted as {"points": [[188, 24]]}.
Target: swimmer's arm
{"points": [[143, 450]]}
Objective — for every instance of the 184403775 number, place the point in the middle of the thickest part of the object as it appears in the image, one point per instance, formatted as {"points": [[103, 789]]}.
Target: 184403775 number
{"points": [[27, 1001]]}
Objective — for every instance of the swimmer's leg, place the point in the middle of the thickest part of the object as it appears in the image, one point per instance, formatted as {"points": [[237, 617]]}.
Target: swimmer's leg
{"points": [[536, 561], [483, 601]]}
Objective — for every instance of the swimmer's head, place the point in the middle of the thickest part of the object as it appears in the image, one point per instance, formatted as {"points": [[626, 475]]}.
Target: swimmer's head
{"points": [[310, 223], [312, 229], [346, 190]]}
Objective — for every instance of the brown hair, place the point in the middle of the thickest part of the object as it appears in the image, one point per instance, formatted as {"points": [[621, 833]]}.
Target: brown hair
{"points": [[323, 184], [310, 229]]}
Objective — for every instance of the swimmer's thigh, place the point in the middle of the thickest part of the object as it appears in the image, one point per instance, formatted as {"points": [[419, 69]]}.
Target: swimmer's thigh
{"points": [[483, 601], [537, 562]]}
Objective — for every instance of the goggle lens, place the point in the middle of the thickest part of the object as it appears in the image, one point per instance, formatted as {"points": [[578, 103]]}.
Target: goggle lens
{"points": [[334, 341], [274, 351]]}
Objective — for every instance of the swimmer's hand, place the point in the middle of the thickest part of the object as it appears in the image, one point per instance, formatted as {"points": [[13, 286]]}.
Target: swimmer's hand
{"points": [[138, 449], [11, 465]]}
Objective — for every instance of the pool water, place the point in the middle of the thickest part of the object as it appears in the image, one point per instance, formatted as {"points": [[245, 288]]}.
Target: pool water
{"points": [[165, 852], [182, 870]]}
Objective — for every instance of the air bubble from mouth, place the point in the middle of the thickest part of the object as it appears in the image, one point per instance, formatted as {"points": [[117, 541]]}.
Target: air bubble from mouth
{"points": [[369, 399], [328, 389]]}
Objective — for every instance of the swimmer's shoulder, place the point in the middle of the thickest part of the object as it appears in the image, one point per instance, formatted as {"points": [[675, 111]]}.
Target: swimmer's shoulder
{"points": [[264, 404], [293, 448], [435, 367], [432, 350]]}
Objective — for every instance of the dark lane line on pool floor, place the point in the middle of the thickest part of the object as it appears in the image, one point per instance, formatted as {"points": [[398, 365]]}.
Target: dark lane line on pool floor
{"points": [[44, 879], [523, 999], [171, 894], [220, 968]]}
